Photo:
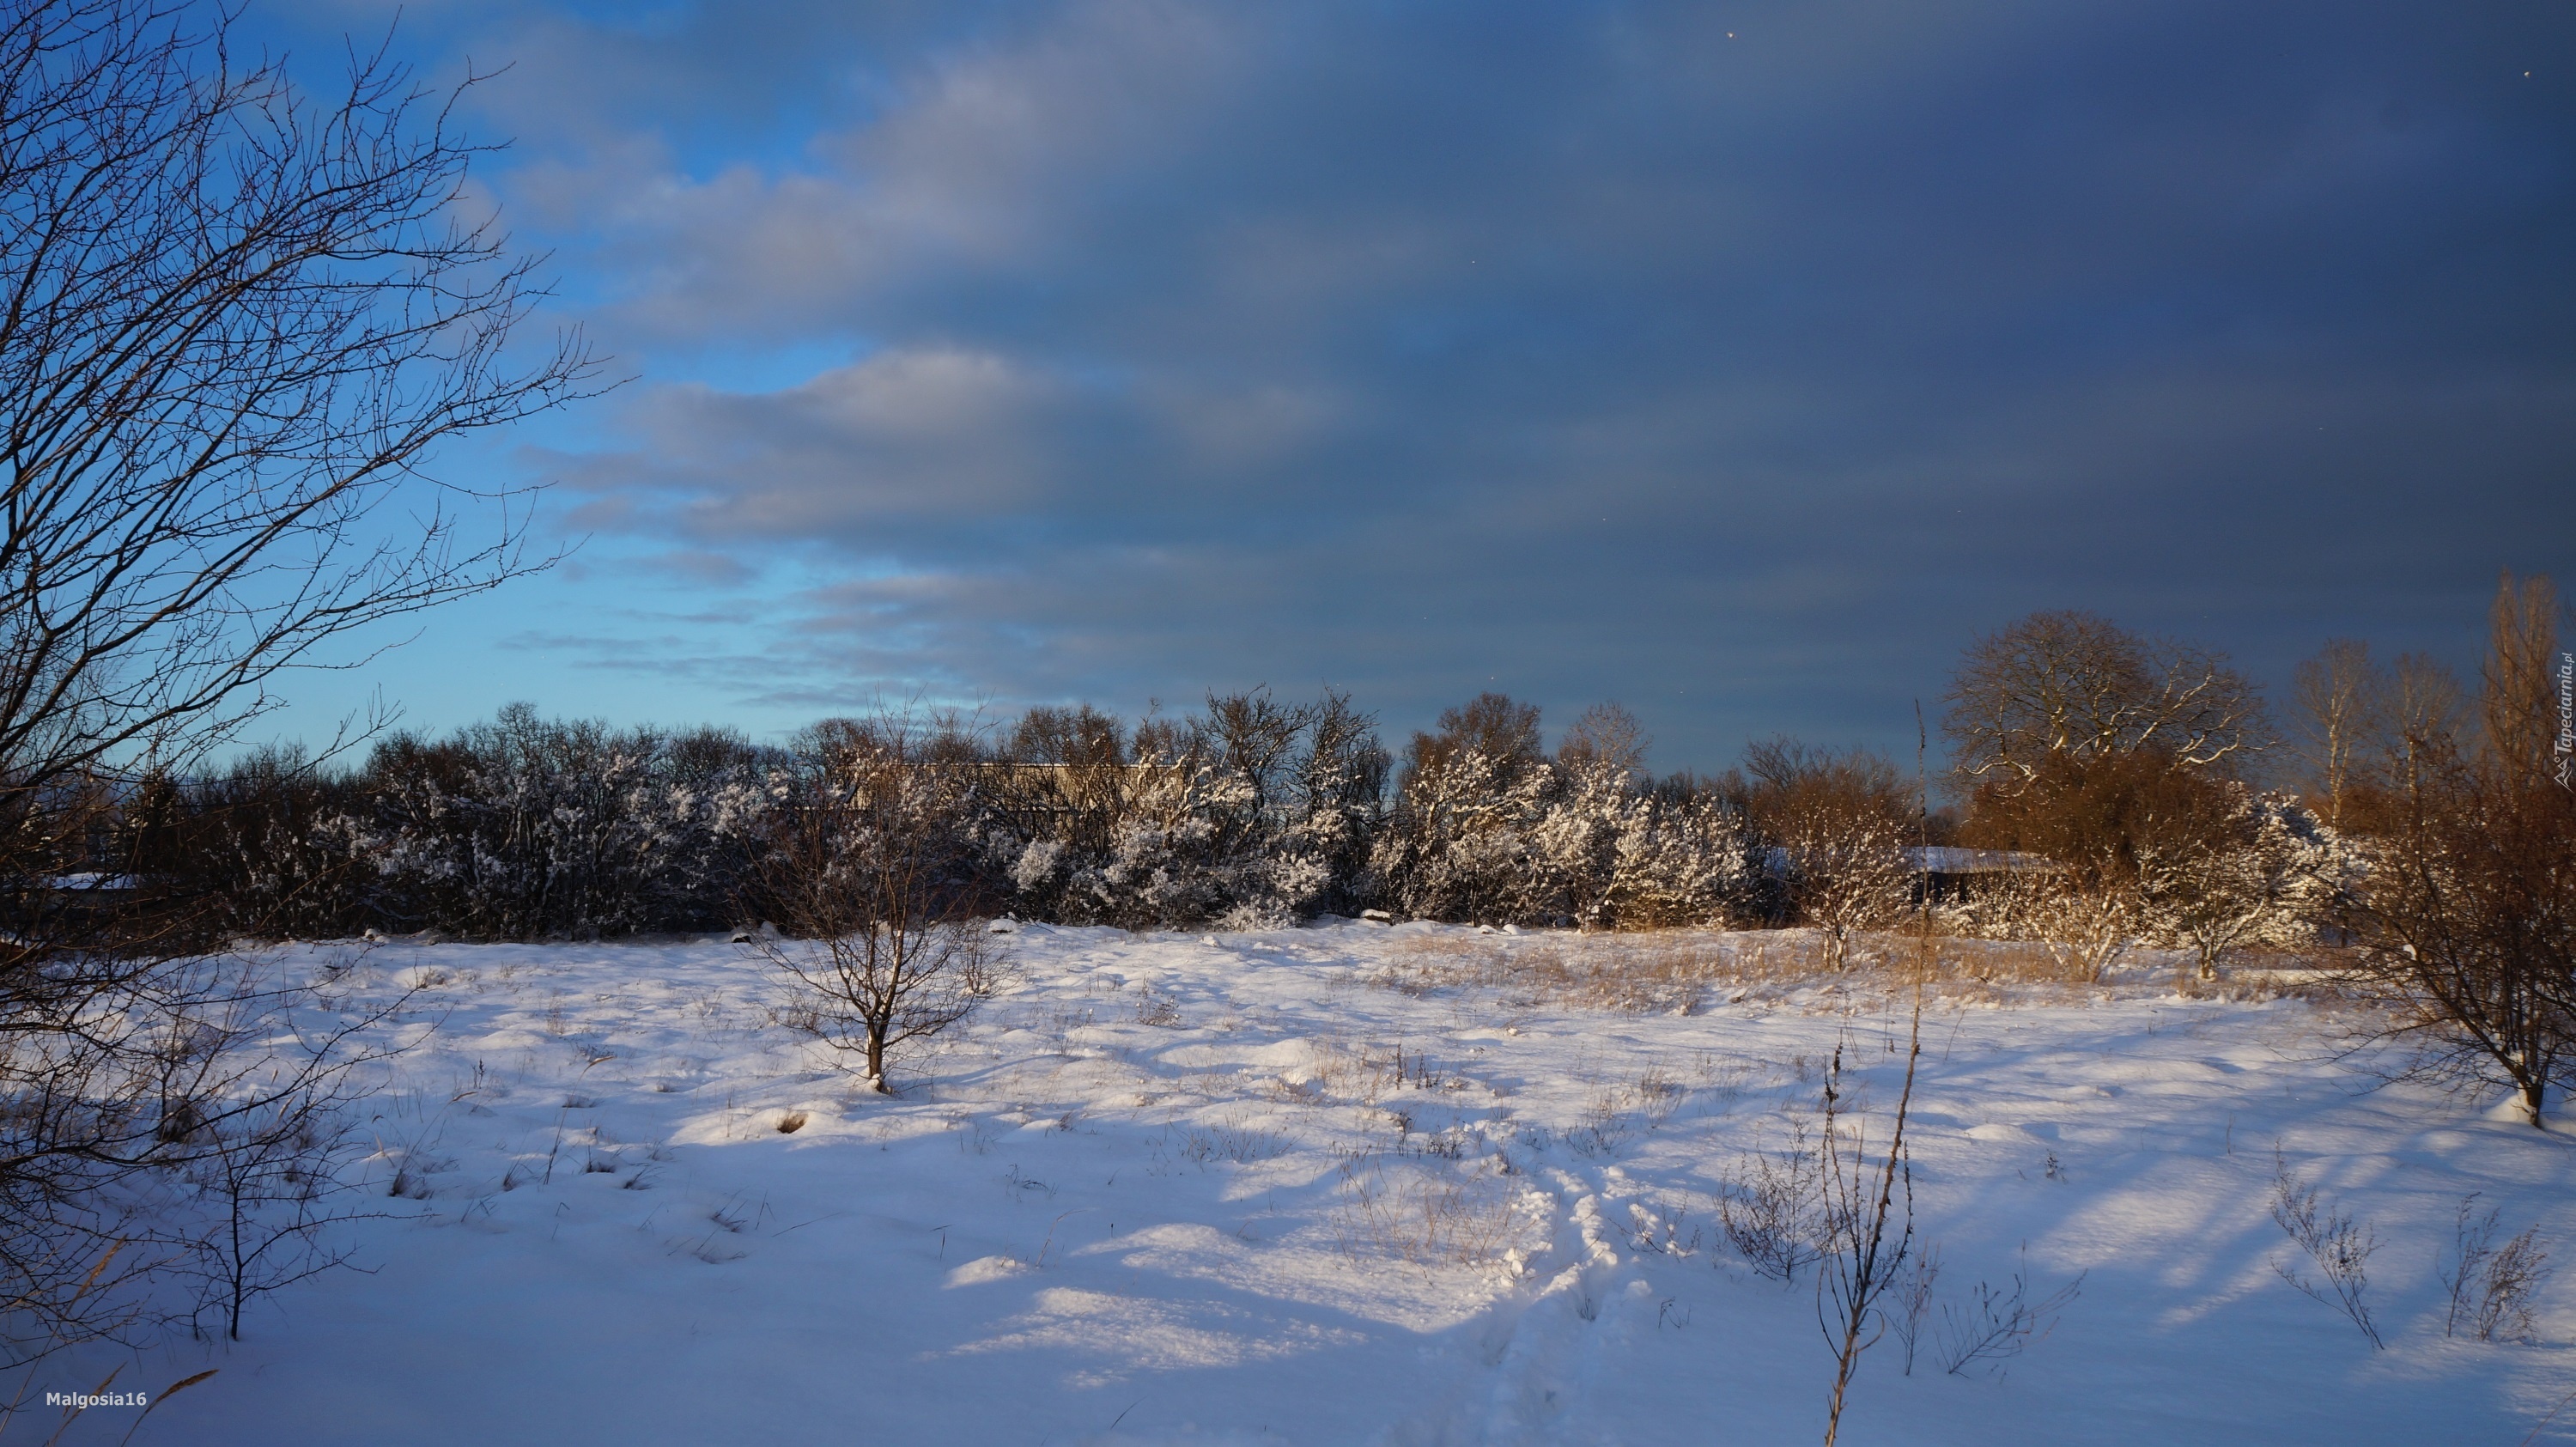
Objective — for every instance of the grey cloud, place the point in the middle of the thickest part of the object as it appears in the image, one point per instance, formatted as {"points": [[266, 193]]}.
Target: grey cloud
{"points": [[1578, 349]]}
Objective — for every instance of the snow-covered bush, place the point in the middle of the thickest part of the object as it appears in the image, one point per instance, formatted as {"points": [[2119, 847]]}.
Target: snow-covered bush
{"points": [[527, 829], [1608, 853], [1459, 843], [1488, 831], [2262, 875], [1252, 814]]}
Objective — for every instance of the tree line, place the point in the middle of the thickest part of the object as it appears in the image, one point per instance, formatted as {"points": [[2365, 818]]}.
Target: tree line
{"points": [[2106, 790], [1253, 811]]}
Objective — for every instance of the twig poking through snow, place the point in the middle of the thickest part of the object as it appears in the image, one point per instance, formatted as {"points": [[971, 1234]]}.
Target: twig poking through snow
{"points": [[2339, 1245], [2002, 1323]]}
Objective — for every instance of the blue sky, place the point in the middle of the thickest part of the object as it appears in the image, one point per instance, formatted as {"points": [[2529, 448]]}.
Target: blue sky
{"points": [[1736, 362]]}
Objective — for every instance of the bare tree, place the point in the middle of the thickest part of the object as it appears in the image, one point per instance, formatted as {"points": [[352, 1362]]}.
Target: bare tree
{"points": [[194, 1072], [1847, 872], [1467, 796], [2070, 683], [2367, 731], [237, 317], [2337, 693], [2420, 722], [871, 888], [266, 1172], [1491, 725], [2085, 928], [2519, 704], [2466, 909], [1254, 737], [1339, 779], [2465, 914], [1608, 737], [2142, 841]]}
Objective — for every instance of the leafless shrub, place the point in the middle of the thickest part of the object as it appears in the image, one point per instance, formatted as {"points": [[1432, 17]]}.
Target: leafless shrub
{"points": [[1663, 1232], [1837, 824], [1914, 1301], [2491, 1286], [269, 1178], [1869, 1236], [174, 1123], [1159, 1010], [1658, 1096], [2340, 1246], [1771, 1206], [1233, 1140], [1604, 1130], [1999, 1323], [2081, 928]]}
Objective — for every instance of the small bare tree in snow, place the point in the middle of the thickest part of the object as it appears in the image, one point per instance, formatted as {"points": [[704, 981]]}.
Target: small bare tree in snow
{"points": [[1848, 874], [2465, 916], [869, 886]]}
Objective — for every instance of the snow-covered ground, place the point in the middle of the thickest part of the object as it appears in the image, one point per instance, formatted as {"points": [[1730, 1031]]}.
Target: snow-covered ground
{"points": [[1183, 1189]]}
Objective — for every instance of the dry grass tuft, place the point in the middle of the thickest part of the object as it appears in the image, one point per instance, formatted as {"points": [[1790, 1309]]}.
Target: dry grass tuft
{"points": [[1363, 1073], [1657, 972], [1426, 1218]]}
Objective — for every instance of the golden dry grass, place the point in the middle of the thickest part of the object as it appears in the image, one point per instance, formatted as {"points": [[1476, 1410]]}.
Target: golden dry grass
{"points": [[1674, 971]]}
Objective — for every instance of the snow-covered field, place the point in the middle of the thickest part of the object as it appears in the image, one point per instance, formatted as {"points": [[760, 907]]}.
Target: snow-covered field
{"points": [[1176, 1189]]}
